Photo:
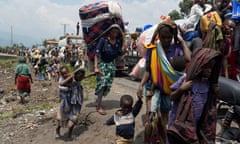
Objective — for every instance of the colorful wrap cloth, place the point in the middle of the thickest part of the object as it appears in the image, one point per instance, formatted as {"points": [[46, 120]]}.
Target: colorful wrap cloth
{"points": [[163, 75]]}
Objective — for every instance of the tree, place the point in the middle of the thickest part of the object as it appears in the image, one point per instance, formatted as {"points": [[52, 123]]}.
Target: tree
{"points": [[185, 7], [175, 15], [61, 37]]}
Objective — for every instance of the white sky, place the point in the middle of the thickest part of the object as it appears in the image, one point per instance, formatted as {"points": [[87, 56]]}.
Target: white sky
{"points": [[44, 19]]}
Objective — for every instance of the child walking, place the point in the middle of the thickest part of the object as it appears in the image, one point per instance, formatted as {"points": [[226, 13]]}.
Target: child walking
{"points": [[124, 119], [71, 97]]}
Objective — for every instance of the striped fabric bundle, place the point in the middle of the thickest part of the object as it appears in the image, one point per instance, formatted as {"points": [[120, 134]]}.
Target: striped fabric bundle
{"points": [[163, 75]]}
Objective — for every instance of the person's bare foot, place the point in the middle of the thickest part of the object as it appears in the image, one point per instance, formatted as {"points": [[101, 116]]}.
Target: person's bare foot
{"points": [[101, 111]]}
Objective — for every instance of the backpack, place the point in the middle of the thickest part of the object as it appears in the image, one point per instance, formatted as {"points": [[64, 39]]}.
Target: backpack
{"points": [[182, 130]]}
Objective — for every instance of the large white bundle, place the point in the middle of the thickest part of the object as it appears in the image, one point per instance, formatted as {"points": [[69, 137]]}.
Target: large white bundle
{"points": [[93, 13], [144, 39]]}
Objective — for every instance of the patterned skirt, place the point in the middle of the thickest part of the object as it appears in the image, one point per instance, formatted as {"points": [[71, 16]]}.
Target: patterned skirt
{"points": [[106, 80]]}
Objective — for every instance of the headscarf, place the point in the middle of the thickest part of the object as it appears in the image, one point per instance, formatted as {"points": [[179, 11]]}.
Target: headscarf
{"points": [[201, 57], [93, 42], [116, 26]]}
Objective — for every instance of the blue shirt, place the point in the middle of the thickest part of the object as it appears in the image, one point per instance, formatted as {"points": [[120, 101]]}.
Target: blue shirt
{"points": [[107, 51]]}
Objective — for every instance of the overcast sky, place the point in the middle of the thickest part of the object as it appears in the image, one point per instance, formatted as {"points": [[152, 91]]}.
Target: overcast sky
{"points": [[45, 19]]}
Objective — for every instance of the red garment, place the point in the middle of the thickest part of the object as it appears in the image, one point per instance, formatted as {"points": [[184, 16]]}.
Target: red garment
{"points": [[23, 83]]}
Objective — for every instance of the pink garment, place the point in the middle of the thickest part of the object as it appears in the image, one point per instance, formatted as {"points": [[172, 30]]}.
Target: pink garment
{"points": [[138, 69]]}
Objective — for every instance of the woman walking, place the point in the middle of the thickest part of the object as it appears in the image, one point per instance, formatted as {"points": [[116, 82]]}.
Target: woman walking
{"points": [[22, 79], [108, 48]]}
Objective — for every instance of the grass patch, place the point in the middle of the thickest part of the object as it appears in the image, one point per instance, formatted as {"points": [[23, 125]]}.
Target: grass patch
{"points": [[6, 116], [25, 110], [70, 68], [88, 83], [8, 60], [46, 105], [29, 109]]}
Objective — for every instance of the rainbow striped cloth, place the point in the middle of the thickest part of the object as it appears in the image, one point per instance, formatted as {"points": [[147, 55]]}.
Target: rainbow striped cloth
{"points": [[163, 74]]}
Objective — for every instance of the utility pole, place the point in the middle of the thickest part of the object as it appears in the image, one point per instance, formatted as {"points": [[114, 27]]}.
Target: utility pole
{"points": [[11, 40], [64, 28]]}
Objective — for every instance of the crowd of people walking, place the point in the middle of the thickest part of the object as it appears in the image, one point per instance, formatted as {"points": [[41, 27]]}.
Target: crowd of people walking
{"points": [[180, 82]]}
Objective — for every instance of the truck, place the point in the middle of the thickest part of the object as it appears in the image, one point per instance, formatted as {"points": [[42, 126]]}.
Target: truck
{"points": [[49, 44], [72, 47]]}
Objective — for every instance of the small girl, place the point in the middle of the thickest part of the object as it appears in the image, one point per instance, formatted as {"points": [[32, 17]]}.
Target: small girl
{"points": [[200, 83], [71, 97]]}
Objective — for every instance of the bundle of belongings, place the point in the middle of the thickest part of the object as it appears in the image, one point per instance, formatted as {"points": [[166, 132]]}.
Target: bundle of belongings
{"points": [[96, 18]]}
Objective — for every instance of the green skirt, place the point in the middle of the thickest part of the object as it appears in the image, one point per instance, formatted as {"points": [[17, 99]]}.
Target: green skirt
{"points": [[106, 80]]}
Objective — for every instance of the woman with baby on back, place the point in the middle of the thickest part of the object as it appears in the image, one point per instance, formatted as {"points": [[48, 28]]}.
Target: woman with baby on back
{"points": [[165, 45]]}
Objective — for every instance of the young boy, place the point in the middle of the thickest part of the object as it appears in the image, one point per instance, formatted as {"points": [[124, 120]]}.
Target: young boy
{"points": [[124, 119]]}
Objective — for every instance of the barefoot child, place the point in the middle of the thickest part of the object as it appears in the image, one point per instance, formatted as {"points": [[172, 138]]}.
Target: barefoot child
{"points": [[71, 97], [124, 119]]}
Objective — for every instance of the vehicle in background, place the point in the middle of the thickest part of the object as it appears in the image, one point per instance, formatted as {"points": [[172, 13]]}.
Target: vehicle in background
{"points": [[132, 56], [73, 48], [50, 44]]}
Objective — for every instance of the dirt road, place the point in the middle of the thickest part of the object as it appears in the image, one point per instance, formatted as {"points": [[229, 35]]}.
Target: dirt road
{"points": [[34, 128], [34, 122]]}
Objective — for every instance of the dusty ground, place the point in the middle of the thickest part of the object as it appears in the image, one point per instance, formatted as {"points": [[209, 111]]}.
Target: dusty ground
{"points": [[34, 122]]}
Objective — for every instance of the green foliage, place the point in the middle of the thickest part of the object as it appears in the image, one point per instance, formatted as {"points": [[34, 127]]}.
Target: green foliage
{"points": [[61, 37], [46, 105], [71, 69], [185, 7], [8, 61], [88, 83], [5, 116], [175, 15]]}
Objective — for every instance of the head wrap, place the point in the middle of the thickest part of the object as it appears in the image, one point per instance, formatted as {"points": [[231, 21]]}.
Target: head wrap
{"points": [[200, 57]]}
